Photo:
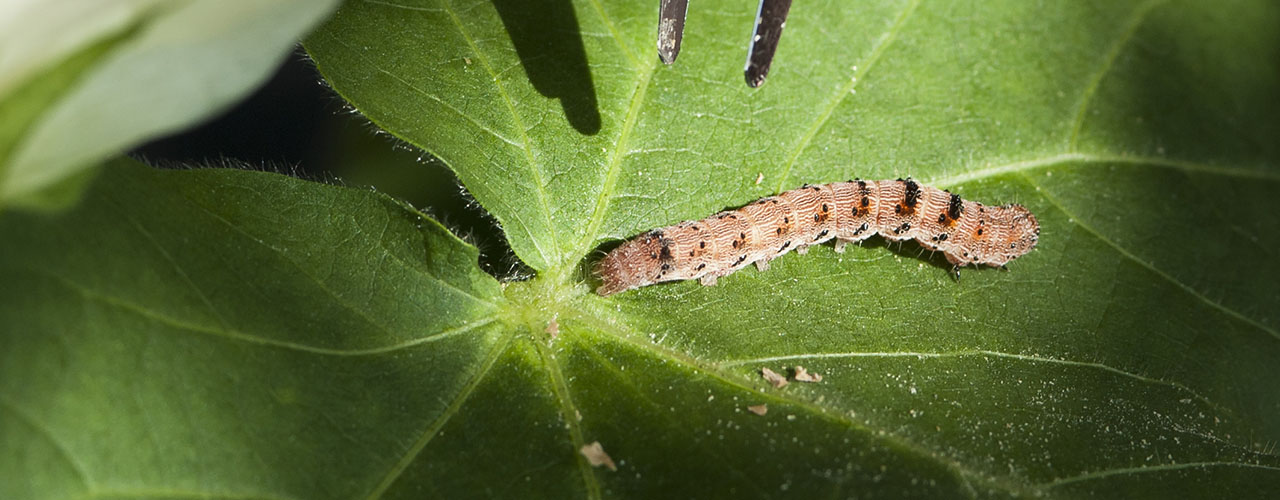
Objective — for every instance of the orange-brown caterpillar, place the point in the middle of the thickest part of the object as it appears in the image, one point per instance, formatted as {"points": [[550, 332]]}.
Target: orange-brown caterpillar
{"points": [[966, 232]]}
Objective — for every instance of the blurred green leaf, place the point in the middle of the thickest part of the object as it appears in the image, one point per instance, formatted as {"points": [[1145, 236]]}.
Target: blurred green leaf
{"points": [[241, 334], [81, 82], [229, 334]]}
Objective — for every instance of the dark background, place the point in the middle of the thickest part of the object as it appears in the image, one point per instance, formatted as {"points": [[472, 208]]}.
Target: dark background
{"points": [[296, 125]]}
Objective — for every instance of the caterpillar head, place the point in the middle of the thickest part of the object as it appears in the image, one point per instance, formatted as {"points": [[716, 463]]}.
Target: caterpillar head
{"points": [[636, 263], [1025, 232]]}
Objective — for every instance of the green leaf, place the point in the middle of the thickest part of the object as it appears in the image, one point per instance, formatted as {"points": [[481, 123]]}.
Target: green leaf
{"points": [[79, 83], [230, 334], [1120, 354], [239, 334]]}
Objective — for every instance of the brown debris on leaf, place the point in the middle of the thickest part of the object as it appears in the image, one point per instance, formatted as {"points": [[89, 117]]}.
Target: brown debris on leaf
{"points": [[759, 409], [596, 456], [802, 375], [772, 377], [553, 326]]}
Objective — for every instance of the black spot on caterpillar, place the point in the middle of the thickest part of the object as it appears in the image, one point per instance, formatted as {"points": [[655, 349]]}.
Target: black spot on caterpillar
{"points": [[966, 232]]}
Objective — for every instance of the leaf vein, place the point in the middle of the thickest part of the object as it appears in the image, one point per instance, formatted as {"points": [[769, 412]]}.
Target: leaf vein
{"points": [[171, 494], [859, 70], [321, 284], [534, 168], [1232, 313], [433, 429], [423, 93], [617, 36], [1108, 62], [569, 413], [1088, 158], [231, 334], [625, 380], [399, 6], [176, 266], [620, 151], [982, 352], [43, 430], [438, 280], [963, 474], [1153, 468]]}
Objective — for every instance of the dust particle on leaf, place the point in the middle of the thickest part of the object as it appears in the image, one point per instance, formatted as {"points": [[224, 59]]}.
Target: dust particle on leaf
{"points": [[759, 409], [596, 456], [553, 326], [802, 375], [772, 377]]}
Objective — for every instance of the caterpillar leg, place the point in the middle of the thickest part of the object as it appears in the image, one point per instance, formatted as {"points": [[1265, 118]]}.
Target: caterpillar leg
{"points": [[840, 245], [708, 280], [802, 249], [762, 264]]}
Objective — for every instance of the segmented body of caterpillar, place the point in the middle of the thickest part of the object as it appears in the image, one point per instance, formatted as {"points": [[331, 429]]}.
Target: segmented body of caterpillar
{"points": [[966, 232]]}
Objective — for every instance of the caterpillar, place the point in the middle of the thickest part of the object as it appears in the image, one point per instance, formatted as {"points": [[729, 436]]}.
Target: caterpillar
{"points": [[967, 232]]}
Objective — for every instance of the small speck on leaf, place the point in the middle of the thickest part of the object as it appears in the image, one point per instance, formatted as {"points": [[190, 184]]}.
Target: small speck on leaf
{"points": [[553, 326], [802, 375], [596, 456], [773, 378], [758, 409]]}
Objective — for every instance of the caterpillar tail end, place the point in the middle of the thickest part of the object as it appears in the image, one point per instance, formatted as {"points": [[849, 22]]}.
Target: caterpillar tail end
{"points": [[636, 263], [612, 271], [609, 288]]}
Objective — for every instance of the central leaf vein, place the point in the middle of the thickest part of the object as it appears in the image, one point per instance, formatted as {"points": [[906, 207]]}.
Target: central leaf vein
{"points": [[877, 50], [534, 168], [569, 413], [615, 161]]}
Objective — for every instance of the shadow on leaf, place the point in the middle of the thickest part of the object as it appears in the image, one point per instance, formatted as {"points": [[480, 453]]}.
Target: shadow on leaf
{"points": [[547, 39]]}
